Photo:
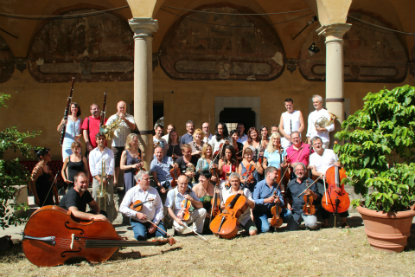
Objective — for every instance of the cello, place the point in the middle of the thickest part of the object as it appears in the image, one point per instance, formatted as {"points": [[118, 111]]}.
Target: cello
{"points": [[335, 199], [46, 244], [225, 224]]}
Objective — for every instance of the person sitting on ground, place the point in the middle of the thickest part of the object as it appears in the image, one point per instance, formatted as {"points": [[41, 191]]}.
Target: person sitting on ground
{"points": [[76, 199], [144, 222], [297, 189], [175, 201], [244, 219]]}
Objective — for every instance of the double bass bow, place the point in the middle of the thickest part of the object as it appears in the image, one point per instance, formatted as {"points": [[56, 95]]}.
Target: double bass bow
{"points": [[46, 244], [65, 114]]}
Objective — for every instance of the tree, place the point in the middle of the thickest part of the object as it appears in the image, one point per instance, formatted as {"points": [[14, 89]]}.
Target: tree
{"points": [[12, 173]]}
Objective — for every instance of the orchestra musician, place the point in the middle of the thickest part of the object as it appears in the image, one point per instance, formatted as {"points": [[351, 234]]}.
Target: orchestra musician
{"points": [[290, 121], [170, 127], [125, 124], [295, 198], [266, 194], [197, 144], [264, 138], [160, 169], [77, 197], [245, 218], [236, 145], [298, 151], [241, 133], [321, 160], [253, 143], [207, 136], [74, 164], [319, 114], [228, 163], [90, 128], [158, 140], [188, 137], [41, 180], [220, 137], [249, 170], [274, 154], [174, 151], [72, 130], [150, 206], [175, 203], [131, 161]]}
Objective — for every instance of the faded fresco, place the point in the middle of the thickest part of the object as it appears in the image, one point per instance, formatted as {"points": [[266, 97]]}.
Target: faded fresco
{"points": [[211, 46], [6, 61], [94, 48], [370, 54]]}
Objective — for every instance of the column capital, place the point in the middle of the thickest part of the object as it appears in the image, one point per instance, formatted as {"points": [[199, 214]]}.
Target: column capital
{"points": [[143, 26], [336, 30]]}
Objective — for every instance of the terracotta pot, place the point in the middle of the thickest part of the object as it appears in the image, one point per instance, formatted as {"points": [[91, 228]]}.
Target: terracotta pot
{"points": [[387, 231]]}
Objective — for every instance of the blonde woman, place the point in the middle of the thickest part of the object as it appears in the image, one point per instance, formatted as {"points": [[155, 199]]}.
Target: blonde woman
{"points": [[130, 161], [197, 143], [74, 164], [274, 154]]}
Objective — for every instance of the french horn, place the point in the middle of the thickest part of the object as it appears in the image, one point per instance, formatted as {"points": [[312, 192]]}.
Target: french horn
{"points": [[323, 121]]}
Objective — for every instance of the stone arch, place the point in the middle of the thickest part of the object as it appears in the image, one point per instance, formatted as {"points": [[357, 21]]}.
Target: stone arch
{"points": [[208, 46], [94, 48], [370, 54]]}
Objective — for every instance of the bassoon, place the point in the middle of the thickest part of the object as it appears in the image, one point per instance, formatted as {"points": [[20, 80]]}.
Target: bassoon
{"points": [[65, 115], [102, 122]]}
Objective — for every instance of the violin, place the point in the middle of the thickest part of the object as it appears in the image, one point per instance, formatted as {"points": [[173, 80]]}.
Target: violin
{"points": [[335, 199], [138, 205], [175, 173], [185, 210], [46, 244], [248, 174], [225, 224], [308, 208], [276, 220]]}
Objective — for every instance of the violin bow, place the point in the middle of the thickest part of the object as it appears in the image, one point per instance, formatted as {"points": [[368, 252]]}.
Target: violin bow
{"points": [[196, 233], [161, 230], [310, 185]]}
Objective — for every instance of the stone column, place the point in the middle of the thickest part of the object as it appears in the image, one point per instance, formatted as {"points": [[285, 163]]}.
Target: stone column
{"points": [[143, 29], [334, 67]]}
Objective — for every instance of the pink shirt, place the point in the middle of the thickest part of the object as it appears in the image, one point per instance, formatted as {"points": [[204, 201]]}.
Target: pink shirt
{"points": [[302, 154]]}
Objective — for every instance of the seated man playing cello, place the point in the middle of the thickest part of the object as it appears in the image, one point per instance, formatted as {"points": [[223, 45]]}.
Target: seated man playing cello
{"points": [[184, 208], [298, 192], [77, 197], [245, 218], [266, 195], [142, 204], [321, 160]]}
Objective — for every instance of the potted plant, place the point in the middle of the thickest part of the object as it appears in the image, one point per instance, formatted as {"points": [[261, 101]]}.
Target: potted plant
{"points": [[377, 151]]}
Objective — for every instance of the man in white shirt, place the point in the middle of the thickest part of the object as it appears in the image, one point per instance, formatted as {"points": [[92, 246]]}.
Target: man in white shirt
{"points": [[101, 166], [170, 127], [241, 133], [207, 135], [319, 114], [175, 198], [290, 121], [146, 199], [158, 140], [124, 125]]}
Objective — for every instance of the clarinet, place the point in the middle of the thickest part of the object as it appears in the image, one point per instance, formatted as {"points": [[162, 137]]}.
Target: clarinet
{"points": [[65, 115]]}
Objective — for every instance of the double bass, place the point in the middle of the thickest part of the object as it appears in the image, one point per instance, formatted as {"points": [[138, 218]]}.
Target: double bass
{"points": [[335, 199], [46, 244], [225, 224]]}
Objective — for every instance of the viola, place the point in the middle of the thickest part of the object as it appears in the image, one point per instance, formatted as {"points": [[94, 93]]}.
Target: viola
{"points": [[225, 224], [175, 173], [46, 244], [248, 174], [138, 205], [335, 199], [276, 220]]}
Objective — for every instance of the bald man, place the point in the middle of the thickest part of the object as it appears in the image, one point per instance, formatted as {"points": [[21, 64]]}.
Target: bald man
{"points": [[175, 197], [122, 130]]}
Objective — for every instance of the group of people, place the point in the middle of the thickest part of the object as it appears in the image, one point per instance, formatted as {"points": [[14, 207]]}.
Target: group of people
{"points": [[269, 167]]}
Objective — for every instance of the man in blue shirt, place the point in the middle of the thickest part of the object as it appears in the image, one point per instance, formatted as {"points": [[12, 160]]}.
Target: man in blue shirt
{"points": [[266, 195], [188, 137], [160, 169]]}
